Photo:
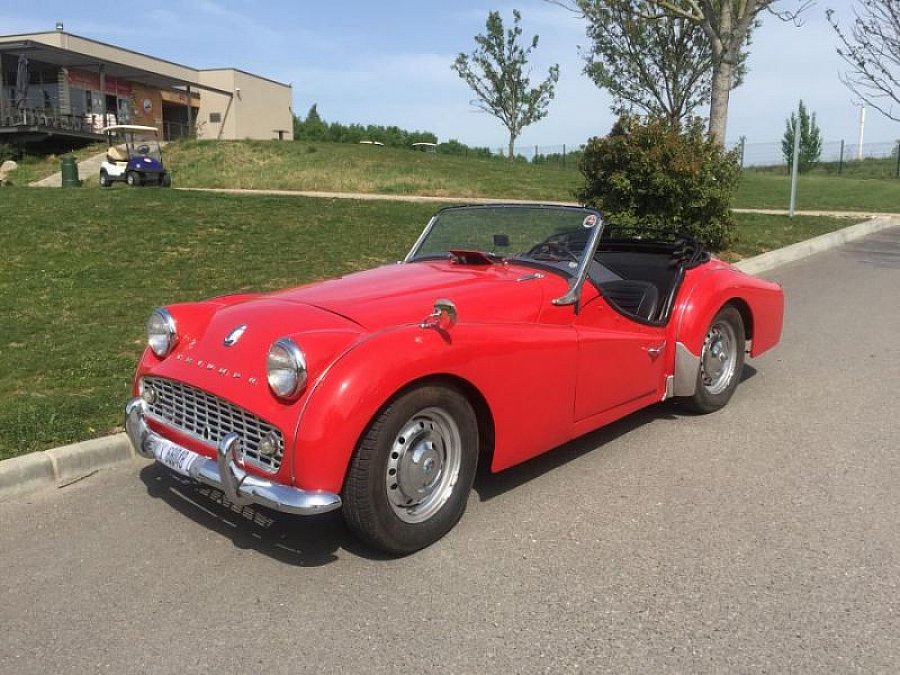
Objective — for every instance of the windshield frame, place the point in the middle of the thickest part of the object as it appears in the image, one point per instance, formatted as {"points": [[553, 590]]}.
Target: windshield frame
{"points": [[578, 278]]}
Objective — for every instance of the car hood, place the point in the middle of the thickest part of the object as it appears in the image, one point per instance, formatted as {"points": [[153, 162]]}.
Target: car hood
{"points": [[406, 292]]}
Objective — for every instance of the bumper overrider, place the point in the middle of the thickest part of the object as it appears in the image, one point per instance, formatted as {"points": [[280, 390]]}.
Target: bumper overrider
{"points": [[225, 474]]}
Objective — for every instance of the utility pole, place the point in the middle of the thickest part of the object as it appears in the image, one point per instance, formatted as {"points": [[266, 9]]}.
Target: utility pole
{"points": [[862, 129], [795, 167]]}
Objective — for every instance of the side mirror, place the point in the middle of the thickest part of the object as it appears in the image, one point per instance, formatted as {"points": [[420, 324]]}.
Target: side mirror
{"points": [[444, 315]]}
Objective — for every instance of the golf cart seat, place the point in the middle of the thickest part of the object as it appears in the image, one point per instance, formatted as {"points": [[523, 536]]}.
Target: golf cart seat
{"points": [[116, 154]]}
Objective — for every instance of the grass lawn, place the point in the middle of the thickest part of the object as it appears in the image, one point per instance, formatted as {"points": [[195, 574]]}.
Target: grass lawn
{"points": [[818, 192], [83, 269]]}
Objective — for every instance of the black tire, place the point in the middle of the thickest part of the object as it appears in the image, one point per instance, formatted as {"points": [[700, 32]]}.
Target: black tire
{"points": [[133, 179], [385, 500], [104, 179], [165, 180], [721, 362]]}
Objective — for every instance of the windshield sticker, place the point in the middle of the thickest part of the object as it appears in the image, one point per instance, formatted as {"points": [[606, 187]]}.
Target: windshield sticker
{"points": [[590, 221]]}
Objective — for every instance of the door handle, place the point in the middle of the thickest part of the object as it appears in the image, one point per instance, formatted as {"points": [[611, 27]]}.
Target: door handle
{"points": [[653, 352]]}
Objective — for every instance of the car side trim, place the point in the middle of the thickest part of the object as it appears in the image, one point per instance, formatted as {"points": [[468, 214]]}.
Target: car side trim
{"points": [[687, 365]]}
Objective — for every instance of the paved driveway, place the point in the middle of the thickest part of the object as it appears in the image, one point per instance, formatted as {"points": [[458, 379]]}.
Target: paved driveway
{"points": [[763, 538]]}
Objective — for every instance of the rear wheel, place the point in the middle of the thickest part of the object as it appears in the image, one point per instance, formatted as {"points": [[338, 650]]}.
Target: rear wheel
{"points": [[721, 361], [409, 480], [104, 178]]}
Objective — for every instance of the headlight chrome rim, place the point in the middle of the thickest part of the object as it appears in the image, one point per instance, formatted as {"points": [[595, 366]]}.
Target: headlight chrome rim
{"points": [[162, 332], [286, 369]]}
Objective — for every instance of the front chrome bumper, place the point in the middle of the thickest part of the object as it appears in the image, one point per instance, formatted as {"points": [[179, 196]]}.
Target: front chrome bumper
{"points": [[225, 474]]}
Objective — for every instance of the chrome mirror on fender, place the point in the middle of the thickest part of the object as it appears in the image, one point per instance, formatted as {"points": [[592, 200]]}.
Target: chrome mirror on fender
{"points": [[443, 316]]}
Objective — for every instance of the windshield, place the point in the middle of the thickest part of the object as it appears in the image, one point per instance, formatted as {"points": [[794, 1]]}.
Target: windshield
{"points": [[143, 145], [545, 233]]}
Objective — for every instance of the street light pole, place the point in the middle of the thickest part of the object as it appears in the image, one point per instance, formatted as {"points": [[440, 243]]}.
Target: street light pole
{"points": [[862, 129]]}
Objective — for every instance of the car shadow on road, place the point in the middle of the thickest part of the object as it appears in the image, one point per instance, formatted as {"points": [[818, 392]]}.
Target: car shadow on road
{"points": [[488, 485], [296, 540]]}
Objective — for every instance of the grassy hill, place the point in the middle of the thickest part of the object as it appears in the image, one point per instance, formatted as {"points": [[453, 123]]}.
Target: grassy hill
{"points": [[334, 167]]}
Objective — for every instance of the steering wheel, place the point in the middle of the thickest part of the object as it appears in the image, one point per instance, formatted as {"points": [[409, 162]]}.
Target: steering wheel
{"points": [[552, 247], [143, 149]]}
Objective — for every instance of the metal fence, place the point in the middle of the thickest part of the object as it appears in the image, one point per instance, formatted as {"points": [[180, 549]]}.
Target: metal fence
{"points": [[839, 153], [838, 157]]}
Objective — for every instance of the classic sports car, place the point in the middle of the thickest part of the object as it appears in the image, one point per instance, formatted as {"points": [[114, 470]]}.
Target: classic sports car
{"points": [[506, 331]]}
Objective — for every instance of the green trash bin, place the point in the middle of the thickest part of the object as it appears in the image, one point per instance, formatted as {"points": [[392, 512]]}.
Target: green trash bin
{"points": [[69, 169]]}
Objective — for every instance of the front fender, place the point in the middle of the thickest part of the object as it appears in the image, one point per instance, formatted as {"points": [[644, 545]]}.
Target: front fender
{"points": [[526, 373]]}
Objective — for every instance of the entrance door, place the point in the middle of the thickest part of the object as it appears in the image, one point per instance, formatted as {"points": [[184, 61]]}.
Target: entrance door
{"points": [[619, 360]]}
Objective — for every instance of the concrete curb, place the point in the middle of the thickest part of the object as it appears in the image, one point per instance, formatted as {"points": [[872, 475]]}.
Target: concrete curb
{"points": [[64, 465], [803, 249]]}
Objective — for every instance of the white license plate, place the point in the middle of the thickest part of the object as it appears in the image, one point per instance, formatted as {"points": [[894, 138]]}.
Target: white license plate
{"points": [[174, 456]]}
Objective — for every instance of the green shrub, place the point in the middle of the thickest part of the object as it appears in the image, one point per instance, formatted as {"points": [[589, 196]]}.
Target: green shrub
{"points": [[649, 177]]}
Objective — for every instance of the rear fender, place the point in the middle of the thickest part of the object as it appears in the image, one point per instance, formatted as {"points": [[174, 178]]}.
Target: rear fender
{"points": [[525, 374], [760, 302]]}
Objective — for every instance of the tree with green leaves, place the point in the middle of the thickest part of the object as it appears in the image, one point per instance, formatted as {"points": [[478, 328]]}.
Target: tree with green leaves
{"points": [[727, 24], [871, 47], [312, 128], [810, 139], [497, 72], [661, 67]]}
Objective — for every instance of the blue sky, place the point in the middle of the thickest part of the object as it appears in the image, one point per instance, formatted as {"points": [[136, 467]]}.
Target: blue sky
{"points": [[389, 62]]}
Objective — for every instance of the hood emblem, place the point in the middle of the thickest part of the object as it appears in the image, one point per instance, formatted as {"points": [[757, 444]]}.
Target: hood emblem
{"points": [[234, 335]]}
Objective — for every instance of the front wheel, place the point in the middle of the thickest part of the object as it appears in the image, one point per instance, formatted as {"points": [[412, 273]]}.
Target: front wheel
{"points": [[721, 361], [409, 480], [165, 180], [133, 178]]}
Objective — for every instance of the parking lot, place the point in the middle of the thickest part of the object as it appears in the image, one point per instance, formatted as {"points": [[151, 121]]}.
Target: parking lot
{"points": [[762, 538]]}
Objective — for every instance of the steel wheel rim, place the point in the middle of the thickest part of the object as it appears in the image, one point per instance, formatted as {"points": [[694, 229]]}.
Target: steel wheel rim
{"points": [[423, 465], [718, 359]]}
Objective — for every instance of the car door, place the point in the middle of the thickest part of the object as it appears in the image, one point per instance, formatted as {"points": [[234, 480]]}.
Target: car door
{"points": [[620, 360]]}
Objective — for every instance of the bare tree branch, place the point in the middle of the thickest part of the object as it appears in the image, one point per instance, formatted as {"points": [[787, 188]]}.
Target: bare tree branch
{"points": [[871, 48]]}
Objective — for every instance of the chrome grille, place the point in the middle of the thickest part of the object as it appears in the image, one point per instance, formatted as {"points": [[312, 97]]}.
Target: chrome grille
{"points": [[208, 418]]}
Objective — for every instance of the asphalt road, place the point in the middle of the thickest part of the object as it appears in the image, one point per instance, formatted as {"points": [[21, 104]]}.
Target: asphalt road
{"points": [[763, 538]]}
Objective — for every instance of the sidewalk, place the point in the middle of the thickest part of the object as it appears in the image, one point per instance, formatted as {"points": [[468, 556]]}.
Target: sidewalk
{"points": [[369, 196], [88, 169]]}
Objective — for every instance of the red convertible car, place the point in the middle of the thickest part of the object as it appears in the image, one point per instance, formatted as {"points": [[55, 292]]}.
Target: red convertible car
{"points": [[505, 332]]}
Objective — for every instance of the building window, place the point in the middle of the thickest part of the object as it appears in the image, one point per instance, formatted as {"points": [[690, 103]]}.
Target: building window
{"points": [[215, 118]]}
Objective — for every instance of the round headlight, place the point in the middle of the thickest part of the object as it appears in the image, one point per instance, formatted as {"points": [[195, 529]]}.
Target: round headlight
{"points": [[161, 332], [286, 367]]}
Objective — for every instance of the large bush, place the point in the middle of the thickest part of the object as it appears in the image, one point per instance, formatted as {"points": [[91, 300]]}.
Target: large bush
{"points": [[649, 177]]}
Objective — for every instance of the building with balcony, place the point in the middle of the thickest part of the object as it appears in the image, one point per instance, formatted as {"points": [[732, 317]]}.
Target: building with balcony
{"points": [[57, 90]]}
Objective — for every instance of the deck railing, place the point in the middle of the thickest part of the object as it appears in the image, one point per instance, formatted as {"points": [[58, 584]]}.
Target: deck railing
{"points": [[90, 123]]}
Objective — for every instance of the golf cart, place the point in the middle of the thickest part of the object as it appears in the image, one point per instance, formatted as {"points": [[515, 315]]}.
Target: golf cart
{"points": [[139, 163]]}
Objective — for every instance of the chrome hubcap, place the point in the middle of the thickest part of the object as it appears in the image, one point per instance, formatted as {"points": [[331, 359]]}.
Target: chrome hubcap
{"points": [[423, 465], [719, 358]]}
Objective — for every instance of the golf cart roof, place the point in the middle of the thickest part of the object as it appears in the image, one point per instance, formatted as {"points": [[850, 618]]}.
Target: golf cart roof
{"points": [[127, 127]]}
